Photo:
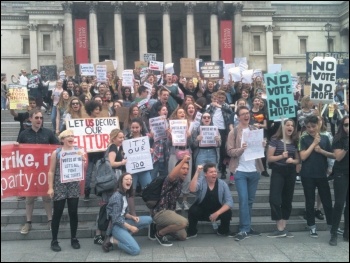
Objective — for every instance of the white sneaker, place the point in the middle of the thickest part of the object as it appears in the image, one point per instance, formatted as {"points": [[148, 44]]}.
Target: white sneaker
{"points": [[178, 207], [185, 205], [298, 180]]}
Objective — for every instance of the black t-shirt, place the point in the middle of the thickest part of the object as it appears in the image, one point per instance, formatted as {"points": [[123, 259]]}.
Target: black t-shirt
{"points": [[119, 155], [211, 201], [343, 165], [24, 122]]}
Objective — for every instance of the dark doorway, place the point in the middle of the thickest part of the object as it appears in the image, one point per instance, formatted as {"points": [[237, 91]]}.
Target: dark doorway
{"points": [[205, 58], [104, 57]]}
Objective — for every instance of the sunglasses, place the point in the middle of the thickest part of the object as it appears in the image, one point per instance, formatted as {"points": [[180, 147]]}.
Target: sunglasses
{"points": [[37, 118], [206, 117], [75, 103], [346, 125]]}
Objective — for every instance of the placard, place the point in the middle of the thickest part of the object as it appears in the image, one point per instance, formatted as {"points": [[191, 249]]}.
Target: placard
{"points": [[128, 78], [110, 65], [156, 65], [138, 154], [101, 73], [68, 66], [188, 67], [227, 67], [169, 68], [247, 76], [236, 74], [178, 132], [254, 140], [87, 70], [18, 97], [274, 68], [241, 63], [158, 126], [141, 64], [323, 78], [208, 133], [280, 98], [149, 57], [211, 70], [122, 114], [92, 134], [71, 166], [48, 72]]}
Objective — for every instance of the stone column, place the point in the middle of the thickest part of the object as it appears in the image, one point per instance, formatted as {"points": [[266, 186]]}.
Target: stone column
{"points": [[269, 45], [167, 55], [68, 29], [142, 29], [191, 44], [59, 47], [238, 30], [118, 37], [245, 39], [94, 58], [33, 42], [344, 37], [214, 32]]}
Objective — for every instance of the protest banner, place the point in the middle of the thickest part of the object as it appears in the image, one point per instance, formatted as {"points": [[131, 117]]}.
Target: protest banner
{"points": [[236, 74], [101, 73], [18, 97], [280, 98], [114, 62], [68, 66], [208, 133], [188, 67], [158, 126], [247, 76], [254, 140], [178, 132], [128, 78], [110, 65], [87, 70], [156, 65], [48, 72], [169, 68], [226, 40], [138, 153], [197, 65], [24, 169], [147, 57], [71, 166], [140, 64], [92, 134], [227, 67], [323, 79], [197, 121], [211, 70], [274, 68]]}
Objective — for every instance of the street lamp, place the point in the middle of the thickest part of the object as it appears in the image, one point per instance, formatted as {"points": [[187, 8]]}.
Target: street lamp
{"points": [[328, 28]]}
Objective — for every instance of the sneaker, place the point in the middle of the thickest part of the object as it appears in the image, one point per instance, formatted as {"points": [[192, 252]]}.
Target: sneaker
{"points": [[232, 234], [49, 224], [55, 246], [178, 207], [241, 236], [185, 205], [313, 233], [87, 195], [252, 232], [191, 236], [75, 243], [298, 180], [289, 234], [319, 215], [266, 174], [26, 228], [163, 240], [277, 233], [21, 198], [221, 235], [98, 240], [152, 231], [333, 240], [340, 232]]}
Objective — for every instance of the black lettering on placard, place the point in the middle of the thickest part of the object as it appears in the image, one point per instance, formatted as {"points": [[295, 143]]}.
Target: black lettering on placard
{"points": [[320, 91], [321, 65], [324, 76], [283, 79], [138, 165]]}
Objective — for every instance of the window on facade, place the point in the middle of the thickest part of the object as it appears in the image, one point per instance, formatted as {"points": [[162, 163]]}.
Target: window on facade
{"points": [[257, 46], [276, 46], [26, 46], [303, 46], [46, 43]]}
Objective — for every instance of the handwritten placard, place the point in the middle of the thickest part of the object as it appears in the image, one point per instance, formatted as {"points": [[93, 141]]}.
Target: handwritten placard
{"points": [[158, 126], [149, 57], [71, 165], [101, 73], [87, 70], [208, 133], [156, 65], [18, 97], [211, 70], [128, 78], [188, 67], [137, 152], [178, 132], [254, 141], [68, 65]]}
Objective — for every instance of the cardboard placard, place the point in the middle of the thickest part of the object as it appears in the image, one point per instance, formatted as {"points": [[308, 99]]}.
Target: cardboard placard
{"points": [[68, 66], [109, 64], [141, 64], [188, 67], [123, 114]]}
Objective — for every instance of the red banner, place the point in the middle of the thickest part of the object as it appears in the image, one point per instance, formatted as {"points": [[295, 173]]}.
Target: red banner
{"points": [[226, 40], [81, 41], [24, 169]]}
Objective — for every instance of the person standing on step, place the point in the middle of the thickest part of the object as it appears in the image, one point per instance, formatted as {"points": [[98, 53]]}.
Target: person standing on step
{"points": [[314, 149], [283, 163], [61, 192], [341, 181], [213, 201], [36, 135], [247, 174]]}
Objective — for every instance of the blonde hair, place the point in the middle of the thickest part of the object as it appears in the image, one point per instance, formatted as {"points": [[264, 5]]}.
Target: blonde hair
{"points": [[114, 133], [304, 101], [65, 134]]}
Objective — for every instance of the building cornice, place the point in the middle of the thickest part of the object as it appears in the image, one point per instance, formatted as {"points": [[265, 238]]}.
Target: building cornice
{"points": [[304, 19], [45, 12], [258, 12], [15, 17]]}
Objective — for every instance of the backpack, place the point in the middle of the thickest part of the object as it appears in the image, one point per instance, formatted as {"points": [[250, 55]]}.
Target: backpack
{"points": [[106, 178], [151, 194], [103, 220]]}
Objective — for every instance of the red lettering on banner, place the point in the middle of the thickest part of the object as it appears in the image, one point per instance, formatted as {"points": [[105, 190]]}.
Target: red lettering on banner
{"points": [[92, 142]]}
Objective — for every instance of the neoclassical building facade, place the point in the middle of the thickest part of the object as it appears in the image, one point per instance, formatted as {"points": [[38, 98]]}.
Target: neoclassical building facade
{"points": [[265, 32]]}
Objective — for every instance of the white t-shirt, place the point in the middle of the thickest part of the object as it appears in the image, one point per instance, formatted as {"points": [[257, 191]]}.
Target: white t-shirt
{"points": [[218, 119], [246, 166], [125, 205], [23, 80]]}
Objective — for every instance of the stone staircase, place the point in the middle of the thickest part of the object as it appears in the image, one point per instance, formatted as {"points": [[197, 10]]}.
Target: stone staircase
{"points": [[13, 211]]}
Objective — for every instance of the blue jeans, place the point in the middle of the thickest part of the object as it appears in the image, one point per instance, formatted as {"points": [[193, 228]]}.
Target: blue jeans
{"points": [[53, 117], [246, 185], [143, 177], [3, 103], [159, 167], [206, 156], [90, 169], [126, 242]]}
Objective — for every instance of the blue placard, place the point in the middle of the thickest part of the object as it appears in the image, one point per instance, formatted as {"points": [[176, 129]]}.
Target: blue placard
{"points": [[280, 98]]}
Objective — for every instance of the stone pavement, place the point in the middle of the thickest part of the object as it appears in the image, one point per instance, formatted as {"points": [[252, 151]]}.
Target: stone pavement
{"points": [[204, 248]]}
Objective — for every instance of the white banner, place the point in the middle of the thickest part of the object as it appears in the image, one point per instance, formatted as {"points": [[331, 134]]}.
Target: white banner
{"points": [[158, 127], [227, 67], [87, 70], [137, 152], [101, 73], [254, 140], [92, 134], [156, 65], [128, 78], [71, 166], [178, 132], [274, 68], [247, 76], [169, 68], [208, 133], [236, 74]]}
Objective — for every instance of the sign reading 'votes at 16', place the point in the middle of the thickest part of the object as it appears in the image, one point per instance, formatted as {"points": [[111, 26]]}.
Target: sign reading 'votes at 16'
{"points": [[280, 98], [211, 70], [323, 79], [92, 134]]}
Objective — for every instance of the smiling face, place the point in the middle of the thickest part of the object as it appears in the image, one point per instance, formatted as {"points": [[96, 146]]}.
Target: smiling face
{"points": [[75, 104], [163, 111], [245, 94], [68, 140], [206, 119], [118, 140], [211, 175], [127, 182], [180, 114], [127, 92], [135, 129], [244, 116], [191, 110], [96, 112], [312, 128], [65, 95], [135, 111]]}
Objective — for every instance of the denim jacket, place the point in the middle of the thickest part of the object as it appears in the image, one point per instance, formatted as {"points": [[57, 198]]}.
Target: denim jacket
{"points": [[115, 208]]}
